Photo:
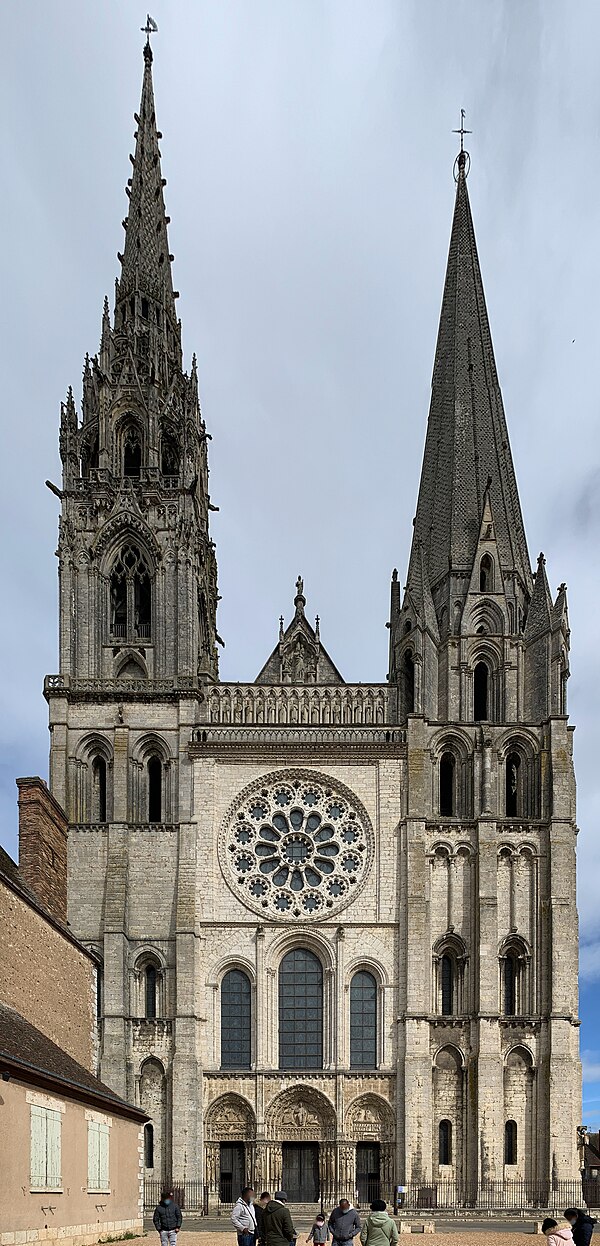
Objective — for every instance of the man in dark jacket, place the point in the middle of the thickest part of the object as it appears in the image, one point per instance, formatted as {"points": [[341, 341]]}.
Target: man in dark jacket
{"points": [[277, 1222], [344, 1223], [167, 1219], [259, 1208], [582, 1226]]}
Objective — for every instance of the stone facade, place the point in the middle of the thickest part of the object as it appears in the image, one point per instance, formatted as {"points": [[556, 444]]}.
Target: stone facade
{"points": [[409, 847]]}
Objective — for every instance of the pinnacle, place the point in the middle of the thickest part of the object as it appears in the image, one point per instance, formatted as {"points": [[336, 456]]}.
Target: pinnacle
{"points": [[146, 258]]}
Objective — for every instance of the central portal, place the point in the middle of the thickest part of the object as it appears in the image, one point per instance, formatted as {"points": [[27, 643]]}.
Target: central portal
{"points": [[301, 1171]]}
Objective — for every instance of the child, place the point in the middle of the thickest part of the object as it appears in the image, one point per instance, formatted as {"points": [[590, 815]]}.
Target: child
{"points": [[556, 1236], [319, 1231]]}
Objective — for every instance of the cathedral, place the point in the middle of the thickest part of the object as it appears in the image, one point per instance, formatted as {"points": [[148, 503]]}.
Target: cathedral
{"points": [[337, 922]]}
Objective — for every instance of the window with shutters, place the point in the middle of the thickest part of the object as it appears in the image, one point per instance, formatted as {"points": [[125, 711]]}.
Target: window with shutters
{"points": [[98, 1156], [45, 1148]]}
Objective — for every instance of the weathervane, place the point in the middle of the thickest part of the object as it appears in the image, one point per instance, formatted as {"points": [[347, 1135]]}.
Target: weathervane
{"points": [[463, 160], [150, 28]]}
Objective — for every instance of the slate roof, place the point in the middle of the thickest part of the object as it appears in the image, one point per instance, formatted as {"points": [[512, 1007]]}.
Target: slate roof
{"points": [[29, 1054], [467, 437]]}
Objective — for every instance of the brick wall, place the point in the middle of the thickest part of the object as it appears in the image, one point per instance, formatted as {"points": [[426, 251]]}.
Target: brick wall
{"points": [[43, 845]]}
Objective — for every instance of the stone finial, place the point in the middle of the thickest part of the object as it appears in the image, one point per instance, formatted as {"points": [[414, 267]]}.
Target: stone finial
{"points": [[299, 599]]}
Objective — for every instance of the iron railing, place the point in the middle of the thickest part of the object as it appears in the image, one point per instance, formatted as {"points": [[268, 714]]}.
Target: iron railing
{"points": [[510, 1197]]}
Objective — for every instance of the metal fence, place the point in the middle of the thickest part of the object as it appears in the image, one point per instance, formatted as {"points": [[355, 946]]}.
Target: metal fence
{"points": [[441, 1196]]}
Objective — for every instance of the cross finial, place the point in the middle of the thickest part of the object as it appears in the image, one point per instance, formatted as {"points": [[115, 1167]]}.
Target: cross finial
{"points": [[150, 28], [462, 130]]}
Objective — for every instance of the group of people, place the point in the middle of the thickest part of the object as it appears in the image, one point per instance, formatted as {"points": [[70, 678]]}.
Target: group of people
{"points": [[579, 1232], [268, 1222]]}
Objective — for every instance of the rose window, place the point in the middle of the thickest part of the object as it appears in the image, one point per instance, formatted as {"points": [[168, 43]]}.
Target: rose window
{"points": [[296, 845]]}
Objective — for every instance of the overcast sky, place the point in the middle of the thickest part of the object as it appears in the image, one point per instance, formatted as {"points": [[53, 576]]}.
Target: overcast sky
{"points": [[308, 151]]}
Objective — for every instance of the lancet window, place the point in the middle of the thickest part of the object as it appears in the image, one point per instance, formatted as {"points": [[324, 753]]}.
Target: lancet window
{"points": [[130, 596]]}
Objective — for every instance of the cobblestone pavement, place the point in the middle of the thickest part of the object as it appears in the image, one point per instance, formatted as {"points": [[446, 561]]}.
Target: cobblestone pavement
{"points": [[456, 1237]]}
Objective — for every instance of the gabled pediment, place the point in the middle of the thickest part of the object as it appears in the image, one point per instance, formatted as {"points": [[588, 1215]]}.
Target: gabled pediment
{"points": [[299, 657]]}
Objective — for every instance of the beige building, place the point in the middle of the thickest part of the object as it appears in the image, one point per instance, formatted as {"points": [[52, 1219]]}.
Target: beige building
{"points": [[70, 1148], [337, 921]]}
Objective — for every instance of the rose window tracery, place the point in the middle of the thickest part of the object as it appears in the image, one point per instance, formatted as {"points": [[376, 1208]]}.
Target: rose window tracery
{"points": [[296, 845]]}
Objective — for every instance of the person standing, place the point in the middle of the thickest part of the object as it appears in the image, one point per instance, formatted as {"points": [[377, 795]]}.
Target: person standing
{"points": [[278, 1227], [344, 1223], [259, 1208], [319, 1232], [244, 1218], [167, 1219], [582, 1225], [379, 1229]]}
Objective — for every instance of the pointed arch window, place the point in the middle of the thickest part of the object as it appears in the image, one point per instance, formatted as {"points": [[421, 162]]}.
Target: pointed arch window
{"points": [[169, 456], [510, 1142], [447, 785], [236, 1003], [408, 681], [481, 680], [445, 1142], [98, 790], [447, 982], [130, 596], [155, 802], [132, 453], [514, 778], [150, 992], [300, 1011], [363, 1021], [486, 575]]}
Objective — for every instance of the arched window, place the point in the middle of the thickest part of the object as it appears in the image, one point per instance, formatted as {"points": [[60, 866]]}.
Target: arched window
{"points": [[510, 984], [130, 596], [132, 453], [149, 1146], [154, 770], [445, 1142], [169, 456], [235, 1020], [481, 692], [363, 1021], [150, 984], [447, 982], [98, 790], [300, 1011], [447, 785], [510, 1142], [408, 680], [486, 575], [513, 786]]}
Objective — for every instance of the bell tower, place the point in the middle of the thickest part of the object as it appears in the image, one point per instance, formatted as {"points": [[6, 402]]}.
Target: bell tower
{"points": [[138, 577]]}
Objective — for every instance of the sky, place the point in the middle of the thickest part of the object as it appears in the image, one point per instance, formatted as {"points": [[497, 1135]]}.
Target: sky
{"points": [[308, 150]]}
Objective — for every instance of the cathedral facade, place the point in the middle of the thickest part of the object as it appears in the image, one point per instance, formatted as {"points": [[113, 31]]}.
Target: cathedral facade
{"points": [[337, 921]]}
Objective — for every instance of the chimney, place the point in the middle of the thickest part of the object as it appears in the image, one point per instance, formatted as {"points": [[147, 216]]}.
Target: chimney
{"points": [[43, 846]]}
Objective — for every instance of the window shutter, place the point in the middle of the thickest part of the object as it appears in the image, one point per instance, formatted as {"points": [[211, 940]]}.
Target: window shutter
{"points": [[103, 1165], [53, 1149], [93, 1155], [38, 1147]]}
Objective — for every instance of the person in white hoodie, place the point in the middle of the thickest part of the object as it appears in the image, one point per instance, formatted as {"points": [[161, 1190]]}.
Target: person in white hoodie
{"points": [[555, 1235], [244, 1218]]}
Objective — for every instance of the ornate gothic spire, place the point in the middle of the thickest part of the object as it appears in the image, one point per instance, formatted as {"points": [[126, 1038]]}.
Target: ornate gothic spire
{"points": [[467, 442], [146, 261]]}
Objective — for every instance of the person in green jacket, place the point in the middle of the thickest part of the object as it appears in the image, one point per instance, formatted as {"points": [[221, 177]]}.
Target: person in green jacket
{"points": [[379, 1229], [277, 1222]]}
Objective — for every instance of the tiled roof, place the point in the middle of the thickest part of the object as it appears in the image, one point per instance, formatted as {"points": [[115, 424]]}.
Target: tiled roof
{"points": [[30, 1054]]}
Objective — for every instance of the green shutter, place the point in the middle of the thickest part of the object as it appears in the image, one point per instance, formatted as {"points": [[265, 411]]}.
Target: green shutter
{"points": [[103, 1167], [93, 1155], [53, 1149], [38, 1147]]}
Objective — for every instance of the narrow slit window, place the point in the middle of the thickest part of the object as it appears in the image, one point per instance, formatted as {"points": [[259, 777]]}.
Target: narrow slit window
{"points": [[510, 985], [445, 1142], [149, 1146], [447, 785], [154, 789], [510, 1142], [150, 990], [486, 575], [481, 692], [447, 975], [513, 785], [98, 790], [408, 673]]}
